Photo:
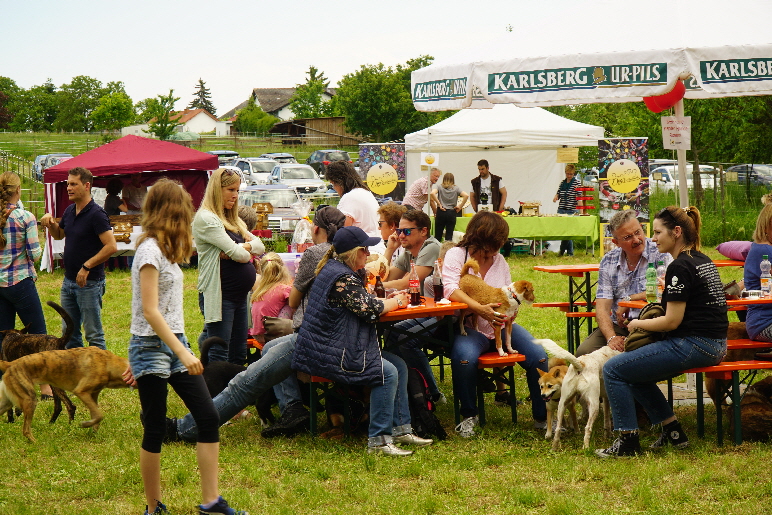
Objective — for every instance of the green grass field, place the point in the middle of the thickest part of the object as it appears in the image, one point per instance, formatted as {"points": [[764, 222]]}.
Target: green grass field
{"points": [[504, 470]]}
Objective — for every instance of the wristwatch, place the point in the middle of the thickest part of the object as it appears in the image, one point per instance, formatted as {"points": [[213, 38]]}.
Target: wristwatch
{"points": [[399, 303], [626, 298], [87, 269]]}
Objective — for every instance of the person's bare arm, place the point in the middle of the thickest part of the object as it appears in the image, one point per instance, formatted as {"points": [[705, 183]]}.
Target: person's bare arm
{"points": [[464, 196], [402, 282], [295, 297], [109, 247], [47, 221], [473, 200]]}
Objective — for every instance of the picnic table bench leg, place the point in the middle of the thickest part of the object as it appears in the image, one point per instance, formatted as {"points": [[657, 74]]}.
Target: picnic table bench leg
{"points": [[736, 398], [700, 408], [720, 423]]}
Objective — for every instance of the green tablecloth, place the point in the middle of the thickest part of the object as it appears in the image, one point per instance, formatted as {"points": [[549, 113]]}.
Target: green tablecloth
{"points": [[544, 227]]}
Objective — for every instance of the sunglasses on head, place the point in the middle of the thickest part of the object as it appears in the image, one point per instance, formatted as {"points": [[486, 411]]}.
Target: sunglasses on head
{"points": [[406, 232]]}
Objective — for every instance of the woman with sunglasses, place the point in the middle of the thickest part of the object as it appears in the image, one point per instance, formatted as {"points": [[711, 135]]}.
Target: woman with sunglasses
{"points": [[485, 235], [225, 271], [695, 324], [337, 341]]}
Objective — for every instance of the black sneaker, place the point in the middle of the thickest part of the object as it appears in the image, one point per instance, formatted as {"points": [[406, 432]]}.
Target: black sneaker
{"points": [[626, 445], [504, 398], [221, 506], [171, 434], [160, 509], [294, 420], [672, 434]]}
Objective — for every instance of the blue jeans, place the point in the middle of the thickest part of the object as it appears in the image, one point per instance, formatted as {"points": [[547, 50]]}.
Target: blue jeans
{"points": [[389, 408], [288, 391], [22, 299], [246, 387], [410, 349], [84, 305], [633, 376], [567, 246], [151, 355], [463, 362], [232, 328]]}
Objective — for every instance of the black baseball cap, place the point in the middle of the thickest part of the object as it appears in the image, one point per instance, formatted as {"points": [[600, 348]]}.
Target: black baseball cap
{"points": [[351, 237]]}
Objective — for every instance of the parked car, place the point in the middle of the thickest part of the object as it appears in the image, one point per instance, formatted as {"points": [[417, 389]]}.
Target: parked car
{"points": [[320, 159], [665, 178], [280, 157], [760, 175], [224, 157], [281, 197], [302, 178], [255, 170]]}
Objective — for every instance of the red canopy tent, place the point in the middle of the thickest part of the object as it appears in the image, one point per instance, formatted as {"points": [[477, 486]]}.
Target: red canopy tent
{"points": [[124, 157]]}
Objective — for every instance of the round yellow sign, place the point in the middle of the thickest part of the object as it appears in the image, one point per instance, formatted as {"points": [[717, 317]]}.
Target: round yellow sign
{"points": [[623, 176], [429, 159], [382, 179]]}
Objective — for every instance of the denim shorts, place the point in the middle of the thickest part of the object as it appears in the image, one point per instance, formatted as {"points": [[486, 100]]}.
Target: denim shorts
{"points": [[150, 355]]}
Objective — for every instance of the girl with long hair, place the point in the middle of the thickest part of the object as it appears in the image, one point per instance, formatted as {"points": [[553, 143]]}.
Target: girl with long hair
{"points": [[159, 354], [271, 294]]}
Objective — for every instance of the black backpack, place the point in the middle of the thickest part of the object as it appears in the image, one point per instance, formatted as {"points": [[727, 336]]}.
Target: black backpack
{"points": [[424, 421]]}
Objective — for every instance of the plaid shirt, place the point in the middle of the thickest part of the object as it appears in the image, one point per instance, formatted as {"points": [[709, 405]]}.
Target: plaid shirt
{"points": [[22, 248], [616, 281]]}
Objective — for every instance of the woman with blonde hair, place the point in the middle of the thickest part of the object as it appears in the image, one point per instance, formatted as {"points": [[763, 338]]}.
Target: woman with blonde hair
{"points": [[225, 272], [758, 320], [19, 249], [446, 196], [270, 297], [159, 354]]}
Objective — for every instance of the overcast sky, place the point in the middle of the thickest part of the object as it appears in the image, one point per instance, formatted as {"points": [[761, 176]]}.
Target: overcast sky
{"points": [[236, 45]]}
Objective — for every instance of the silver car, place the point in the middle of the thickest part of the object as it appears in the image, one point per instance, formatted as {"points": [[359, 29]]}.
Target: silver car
{"points": [[255, 170], [301, 178]]}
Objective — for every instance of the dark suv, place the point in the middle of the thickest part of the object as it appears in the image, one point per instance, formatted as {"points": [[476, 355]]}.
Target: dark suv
{"points": [[321, 158], [760, 175]]}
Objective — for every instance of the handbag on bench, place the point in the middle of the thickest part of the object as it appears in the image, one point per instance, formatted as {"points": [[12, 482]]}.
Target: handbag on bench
{"points": [[640, 337]]}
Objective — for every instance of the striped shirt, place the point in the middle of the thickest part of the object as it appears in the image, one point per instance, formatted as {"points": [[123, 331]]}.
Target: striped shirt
{"points": [[22, 248], [567, 194], [417, 194]]}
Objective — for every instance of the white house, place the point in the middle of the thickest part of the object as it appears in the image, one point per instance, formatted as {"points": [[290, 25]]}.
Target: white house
{"points": [[192, 120]]}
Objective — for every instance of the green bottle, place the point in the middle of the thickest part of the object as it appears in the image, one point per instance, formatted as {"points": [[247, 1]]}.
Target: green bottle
{"points": [[651, 283]]}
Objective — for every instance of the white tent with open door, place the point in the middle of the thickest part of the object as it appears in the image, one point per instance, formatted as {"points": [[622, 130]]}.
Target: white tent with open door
{"points": [[519, 143]]}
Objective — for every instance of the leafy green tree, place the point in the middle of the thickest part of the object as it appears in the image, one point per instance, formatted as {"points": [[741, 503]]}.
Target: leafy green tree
{"points": [[77, 100], [147, 110], [115, 110], [202, 98], [34, 109], [307, 101], [376, 101], [165, 122], [253, 119], [8, 89]]}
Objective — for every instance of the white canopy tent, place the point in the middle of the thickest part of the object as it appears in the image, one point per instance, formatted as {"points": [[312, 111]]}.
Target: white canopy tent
{"points": [[519, 143], [601, 52]]}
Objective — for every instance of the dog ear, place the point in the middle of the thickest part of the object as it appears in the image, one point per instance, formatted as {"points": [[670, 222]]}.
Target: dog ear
{"points": [[558, 373], [541, 372]]}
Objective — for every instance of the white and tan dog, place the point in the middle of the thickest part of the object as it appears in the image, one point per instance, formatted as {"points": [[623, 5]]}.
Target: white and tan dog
{"points": [[510, 297], [583, 380]]}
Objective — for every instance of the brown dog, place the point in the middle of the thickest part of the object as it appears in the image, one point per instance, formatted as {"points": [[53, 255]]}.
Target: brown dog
{"points": [[756, 412], [510, 297], [551, 384], [20, 343], [84, 371], [718, 387]]}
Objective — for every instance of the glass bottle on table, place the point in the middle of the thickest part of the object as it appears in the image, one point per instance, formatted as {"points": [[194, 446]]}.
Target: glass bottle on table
{"points": [[414, 286], [651, 283], [437, 281], [380, 291]]}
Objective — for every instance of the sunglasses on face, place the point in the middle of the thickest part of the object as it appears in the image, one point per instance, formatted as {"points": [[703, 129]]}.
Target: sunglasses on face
{"points": [[406, 232]]}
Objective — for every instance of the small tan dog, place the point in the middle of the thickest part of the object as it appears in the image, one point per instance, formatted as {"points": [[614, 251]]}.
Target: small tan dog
{"points": [[551, 384], [510, 297], [84, 371], [584, 380]]}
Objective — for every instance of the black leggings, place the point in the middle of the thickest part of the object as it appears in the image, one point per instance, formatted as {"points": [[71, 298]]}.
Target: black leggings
{"points": [[445, 220], [193, 392]]}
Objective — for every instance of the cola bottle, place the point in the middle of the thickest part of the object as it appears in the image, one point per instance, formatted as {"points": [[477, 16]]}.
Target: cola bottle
{"points": [[414, 286], [437, 281]]}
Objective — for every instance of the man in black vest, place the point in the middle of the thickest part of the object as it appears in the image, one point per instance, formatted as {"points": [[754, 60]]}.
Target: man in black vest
{"points": [[487, 192]]}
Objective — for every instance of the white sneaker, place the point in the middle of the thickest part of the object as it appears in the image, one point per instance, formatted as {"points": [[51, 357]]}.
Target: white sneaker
{"points": [[412, 439], [441, 399], [389, 449], [466, 428]]}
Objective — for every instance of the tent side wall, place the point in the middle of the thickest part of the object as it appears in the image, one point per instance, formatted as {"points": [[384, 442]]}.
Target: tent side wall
{"points": [[528, 175]]}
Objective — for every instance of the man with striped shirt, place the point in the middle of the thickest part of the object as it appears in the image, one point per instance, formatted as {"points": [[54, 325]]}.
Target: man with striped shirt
{"points": [[567, 195]]}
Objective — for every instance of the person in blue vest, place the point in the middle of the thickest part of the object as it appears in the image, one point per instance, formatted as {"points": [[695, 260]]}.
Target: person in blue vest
{"points": [[337, 341]]}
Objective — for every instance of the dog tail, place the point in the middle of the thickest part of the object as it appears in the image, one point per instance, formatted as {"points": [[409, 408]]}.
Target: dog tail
{"points": [[207, 344], [69, 325], [4, 365], [556, 351], [470, 263]]}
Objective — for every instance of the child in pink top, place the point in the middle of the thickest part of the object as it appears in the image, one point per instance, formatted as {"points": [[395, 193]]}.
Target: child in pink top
{"points": [[271, 295]]}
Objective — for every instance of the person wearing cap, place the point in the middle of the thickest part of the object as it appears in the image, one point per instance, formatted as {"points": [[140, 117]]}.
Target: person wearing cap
{"points": [[337, 340]]}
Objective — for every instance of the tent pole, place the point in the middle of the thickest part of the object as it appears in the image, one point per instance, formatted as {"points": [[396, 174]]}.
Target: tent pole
{"points": [[428, 205], [683, 188]]}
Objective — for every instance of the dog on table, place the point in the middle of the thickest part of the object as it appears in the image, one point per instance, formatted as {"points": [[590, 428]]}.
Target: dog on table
{"points": [[20, 343], [510, 297], [84, 371], [218, 374], [583, 380], [551, 384]]}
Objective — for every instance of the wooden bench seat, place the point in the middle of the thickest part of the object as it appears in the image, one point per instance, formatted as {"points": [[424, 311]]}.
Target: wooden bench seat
{"points": [[746, 344], [501, 369]]}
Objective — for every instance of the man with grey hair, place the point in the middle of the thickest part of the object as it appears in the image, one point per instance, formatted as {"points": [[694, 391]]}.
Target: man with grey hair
{"points": [[621, 276]]}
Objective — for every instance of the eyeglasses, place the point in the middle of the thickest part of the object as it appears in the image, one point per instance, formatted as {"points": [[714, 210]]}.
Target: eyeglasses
{"points": [[406, 232], [381, 222], [636, 234], [366, 249]]}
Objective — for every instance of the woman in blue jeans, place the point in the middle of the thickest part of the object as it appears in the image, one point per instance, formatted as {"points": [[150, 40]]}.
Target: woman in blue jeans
{"points": [[695, 322], [337, 341], [485, 235]]}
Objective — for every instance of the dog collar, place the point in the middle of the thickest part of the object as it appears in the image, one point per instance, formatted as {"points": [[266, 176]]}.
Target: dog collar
{"points": [[514, 294]]}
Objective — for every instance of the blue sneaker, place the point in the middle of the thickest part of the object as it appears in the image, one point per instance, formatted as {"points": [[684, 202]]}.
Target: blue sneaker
{"points": [[160, 509], [221, 506]]}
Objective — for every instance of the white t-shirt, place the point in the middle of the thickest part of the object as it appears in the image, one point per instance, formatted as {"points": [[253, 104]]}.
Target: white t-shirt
{"points": [[169, 290], [361, 205], [485, 187]]}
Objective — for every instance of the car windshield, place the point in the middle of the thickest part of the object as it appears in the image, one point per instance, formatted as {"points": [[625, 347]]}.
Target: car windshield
{"points": [[298, 173], [277, 198], [337, 156], [263, 166]]}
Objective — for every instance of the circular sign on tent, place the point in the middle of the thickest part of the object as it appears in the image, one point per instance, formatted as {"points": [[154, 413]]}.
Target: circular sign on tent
{"points": [[623, 176], [382, 179]]}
